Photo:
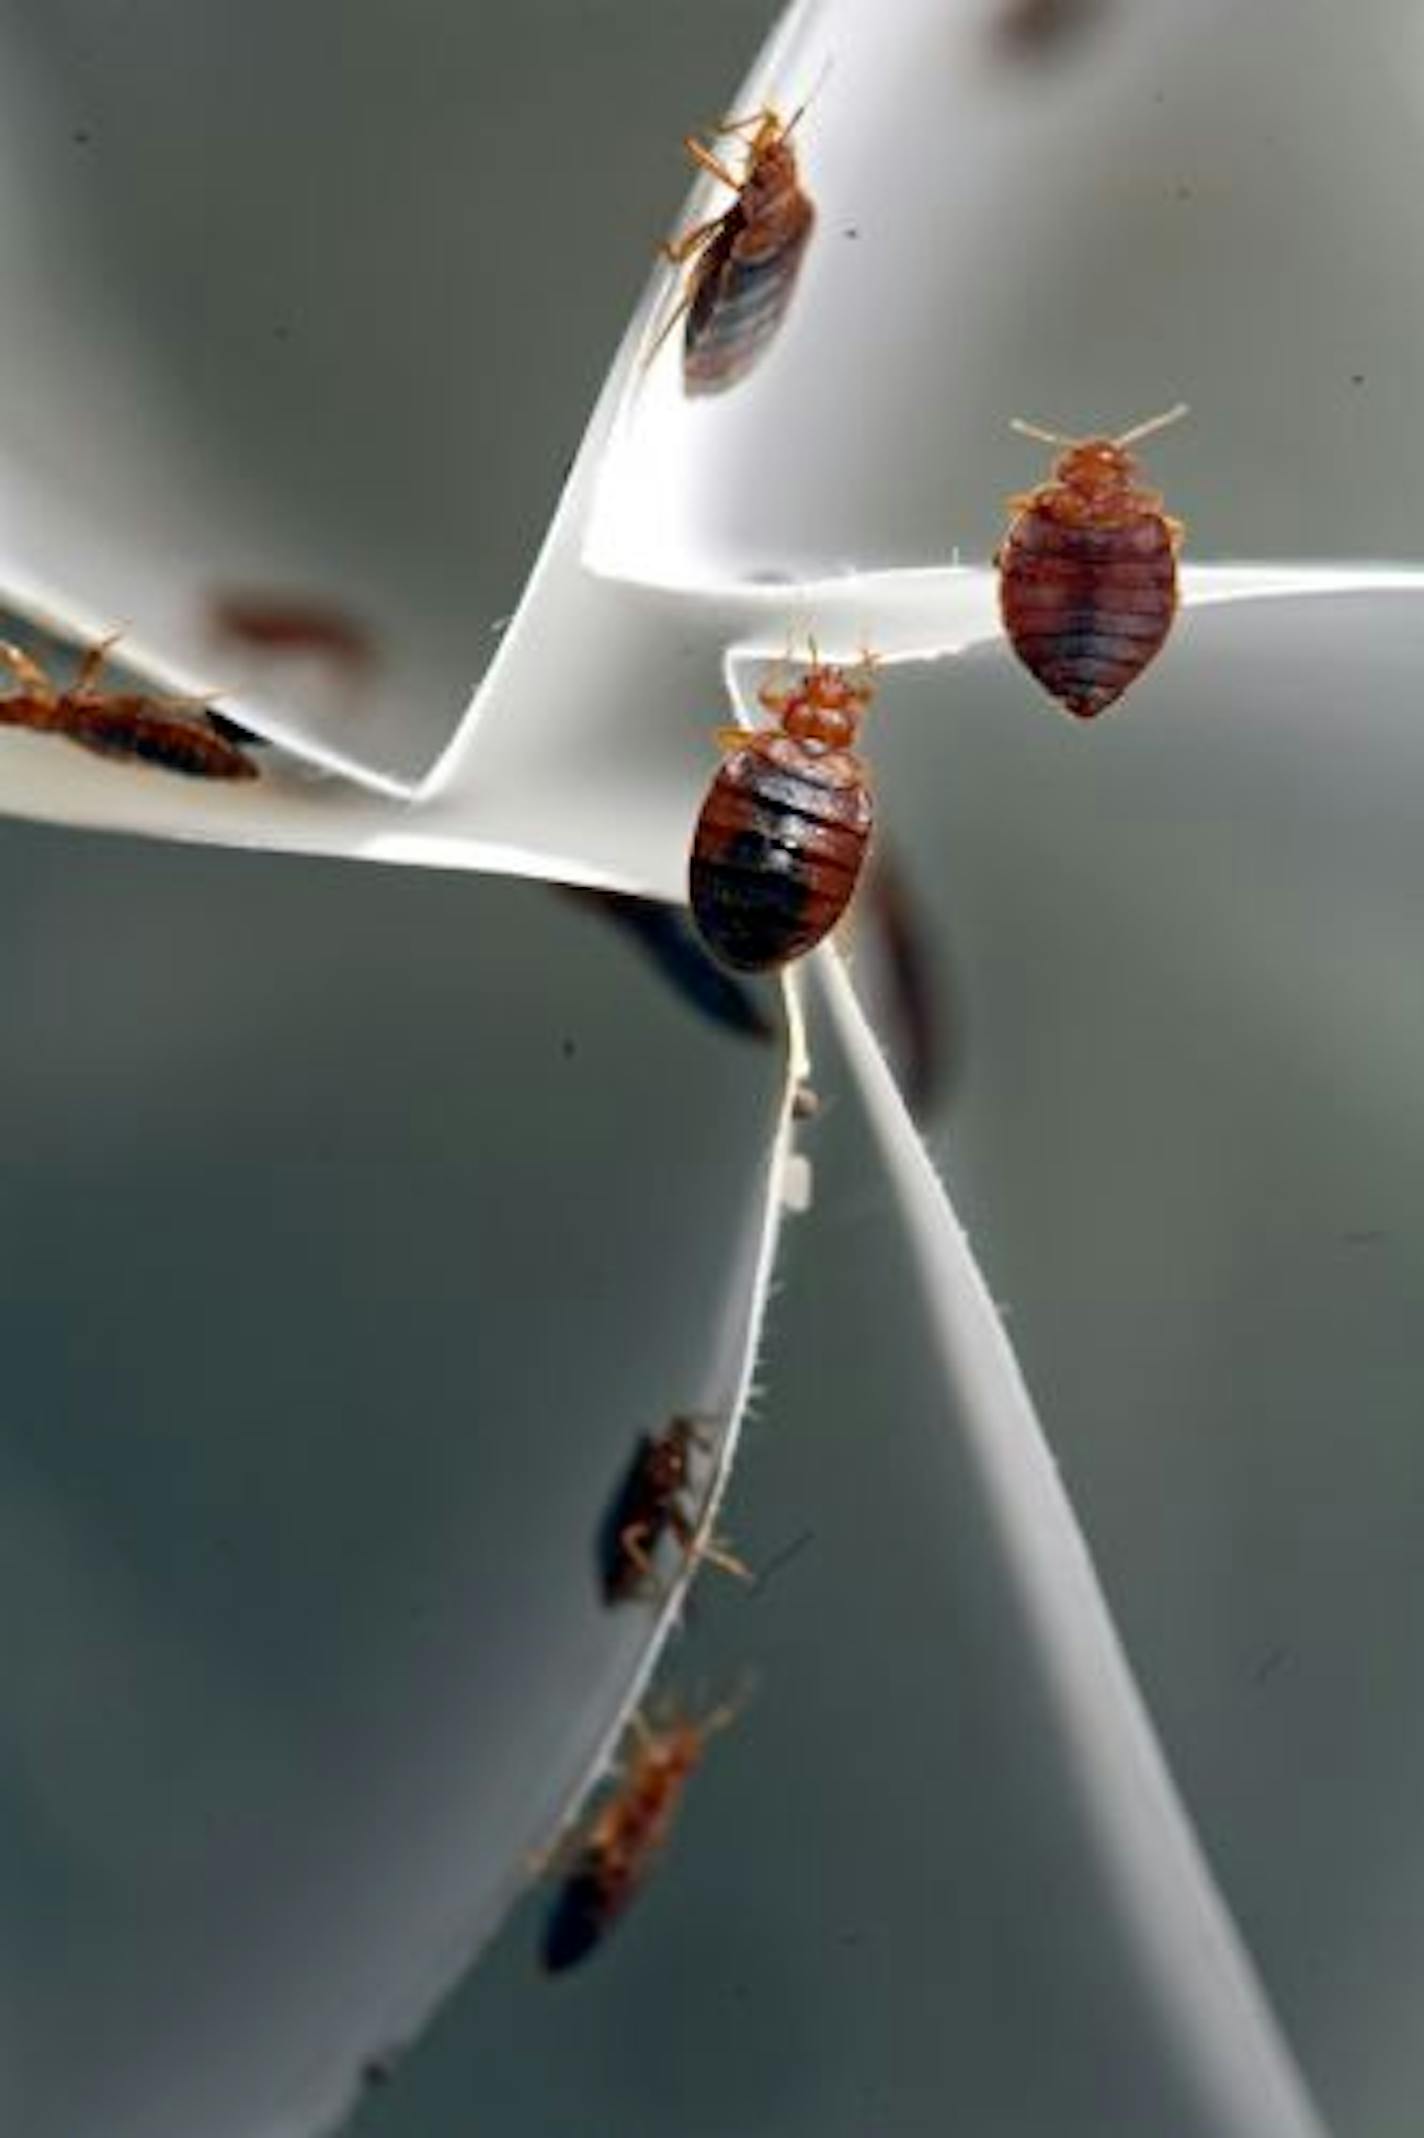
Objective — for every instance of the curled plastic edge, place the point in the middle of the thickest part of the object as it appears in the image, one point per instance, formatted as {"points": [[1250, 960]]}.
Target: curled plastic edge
{"points": [[611, 806], [1197, 1976], [736, 1344]]}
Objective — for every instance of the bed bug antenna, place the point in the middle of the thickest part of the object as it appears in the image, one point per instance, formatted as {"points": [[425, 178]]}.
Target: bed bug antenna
{"points": [[1036, 430], [1173, 414], [808, 100]]}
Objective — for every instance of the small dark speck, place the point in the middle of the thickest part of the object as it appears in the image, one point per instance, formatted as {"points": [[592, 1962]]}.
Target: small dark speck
{"points": [[81, 137], [1184, 193], [568, 1050], [1357, 378], [282, 333], [378, 2071], [1269, 1665], [851, 1939], [852, 232], [1159, 96], [1363, 1239]]}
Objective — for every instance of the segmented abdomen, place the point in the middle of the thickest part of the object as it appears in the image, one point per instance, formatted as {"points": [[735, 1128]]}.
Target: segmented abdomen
{"points": [[1086, 608], [742, 289], [120, 730], [776, 854]]}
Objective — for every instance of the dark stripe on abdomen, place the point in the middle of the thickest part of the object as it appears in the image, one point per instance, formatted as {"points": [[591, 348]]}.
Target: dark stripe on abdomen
{"points": [[774, 862]]}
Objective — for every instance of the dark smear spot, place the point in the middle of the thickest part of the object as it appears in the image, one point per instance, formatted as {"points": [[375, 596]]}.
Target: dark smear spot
{"points": [[1269, 1665], [1357, 378], [568, 1050], [1184, 193], [281, 333], [81, 137], [377, 2071], [1038, 29], [851, 233]]}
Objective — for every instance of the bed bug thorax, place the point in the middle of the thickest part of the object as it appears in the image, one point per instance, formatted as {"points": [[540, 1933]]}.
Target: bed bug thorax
{"points": [[1088, 569], [784, 829]]}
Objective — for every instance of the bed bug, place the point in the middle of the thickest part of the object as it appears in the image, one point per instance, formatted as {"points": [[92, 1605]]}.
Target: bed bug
{"points": [[1088, 570], [652, 1504], [276, 624], [625, 1835], [745, 261], [785, 826], [117, 723]]}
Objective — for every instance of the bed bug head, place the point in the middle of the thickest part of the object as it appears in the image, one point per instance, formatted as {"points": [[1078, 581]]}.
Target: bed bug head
{"points": [[826, 705], [771, 168], [1095, 467], [766, 136]]}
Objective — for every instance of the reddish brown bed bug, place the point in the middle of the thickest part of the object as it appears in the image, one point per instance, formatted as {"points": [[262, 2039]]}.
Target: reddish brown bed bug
{"points": [[118, 723], [785, 826], [1088, 570], [745, 261], [278, 625], [621, 1841], [652, 1504]]}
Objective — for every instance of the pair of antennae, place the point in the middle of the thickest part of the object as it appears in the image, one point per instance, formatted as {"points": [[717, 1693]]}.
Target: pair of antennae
{"points": [[1130, 437]]}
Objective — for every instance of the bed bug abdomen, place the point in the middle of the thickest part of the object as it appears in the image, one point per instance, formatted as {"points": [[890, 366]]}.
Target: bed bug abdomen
{"points": [[1088, 573], [783, 832], [777, 852]]}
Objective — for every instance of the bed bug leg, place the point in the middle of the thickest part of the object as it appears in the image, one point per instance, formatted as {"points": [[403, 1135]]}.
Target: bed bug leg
{"points": [[633, 1541], [715, 1551], [27, 673], [92, 666], [676, 250], [709, 161], [679, 311]]}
